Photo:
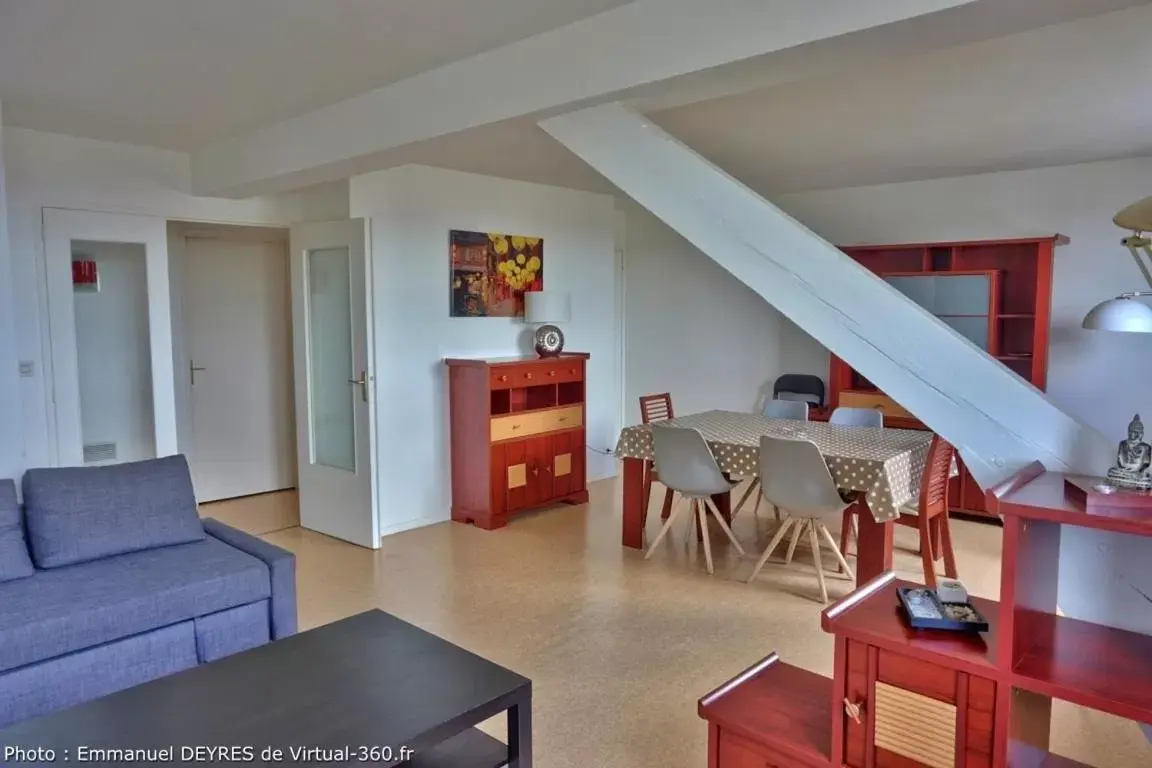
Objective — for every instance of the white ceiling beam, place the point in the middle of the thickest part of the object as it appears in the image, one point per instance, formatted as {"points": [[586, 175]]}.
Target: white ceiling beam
{"points": [[644, 42], [998, 421]]}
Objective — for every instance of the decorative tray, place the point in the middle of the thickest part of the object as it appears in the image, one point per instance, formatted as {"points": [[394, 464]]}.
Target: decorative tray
{"points": [[925, 611]]}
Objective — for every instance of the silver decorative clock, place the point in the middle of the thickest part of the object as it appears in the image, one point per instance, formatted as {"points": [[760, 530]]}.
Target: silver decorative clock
{"points": [[549, 341]]}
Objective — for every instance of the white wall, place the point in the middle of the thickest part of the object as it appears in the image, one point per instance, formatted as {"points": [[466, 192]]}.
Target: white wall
{"points": [[412, 210], [11, 434], [51, 170], [113, 350], [695, 331]]}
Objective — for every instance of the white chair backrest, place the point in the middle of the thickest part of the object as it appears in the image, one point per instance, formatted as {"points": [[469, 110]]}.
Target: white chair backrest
{"points": [[857, 417], [685, 462], [786, 409], [795, 477]]}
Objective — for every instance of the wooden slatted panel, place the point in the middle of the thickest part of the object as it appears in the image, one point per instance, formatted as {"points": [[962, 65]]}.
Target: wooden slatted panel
{"points": [[656, 407], [915, 726]]}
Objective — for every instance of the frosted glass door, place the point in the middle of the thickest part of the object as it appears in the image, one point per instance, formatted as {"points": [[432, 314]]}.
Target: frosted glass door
{"points": [[335, 421], [330, 366]]}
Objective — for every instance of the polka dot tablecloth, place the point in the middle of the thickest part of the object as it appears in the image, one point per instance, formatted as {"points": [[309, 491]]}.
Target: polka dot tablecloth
{"points": [[885, 464]]}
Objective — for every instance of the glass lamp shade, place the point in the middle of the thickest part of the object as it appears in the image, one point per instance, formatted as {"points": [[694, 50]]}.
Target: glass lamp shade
{"points": [[546, 307], [1121, 314]]}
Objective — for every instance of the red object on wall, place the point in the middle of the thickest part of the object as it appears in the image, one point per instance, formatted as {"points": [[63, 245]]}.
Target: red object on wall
{"points": [[84, 273]]}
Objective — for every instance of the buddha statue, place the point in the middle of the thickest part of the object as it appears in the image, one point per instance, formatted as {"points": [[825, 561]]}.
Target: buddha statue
{"points": [[1133, 458]]}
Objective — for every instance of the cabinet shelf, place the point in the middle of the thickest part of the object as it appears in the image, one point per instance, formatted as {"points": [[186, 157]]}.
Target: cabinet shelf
{"points": [[872, 614], [785, 709], [1022, 755], [1088, 664]]}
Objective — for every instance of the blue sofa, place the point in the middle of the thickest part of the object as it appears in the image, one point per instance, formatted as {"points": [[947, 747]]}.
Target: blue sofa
{"points": [[109, 578]]}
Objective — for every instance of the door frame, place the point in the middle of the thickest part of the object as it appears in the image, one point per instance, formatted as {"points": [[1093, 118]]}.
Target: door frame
{"points": [[181, 233], [60, 227]]}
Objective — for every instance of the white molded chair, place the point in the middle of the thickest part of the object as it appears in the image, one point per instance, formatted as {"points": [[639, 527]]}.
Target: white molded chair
{"points": [[794, 476], [786, 409], [797, 410], [686, 465], [857, 417]]}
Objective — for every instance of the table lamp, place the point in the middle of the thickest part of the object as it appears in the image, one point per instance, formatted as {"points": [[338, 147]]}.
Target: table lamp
{"points": [[1125, 313], [547, 308]]}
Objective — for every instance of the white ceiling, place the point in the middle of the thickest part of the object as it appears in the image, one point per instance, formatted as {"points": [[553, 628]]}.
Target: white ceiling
{"points": [[1063, 94], [181, 73], [140, 71]]}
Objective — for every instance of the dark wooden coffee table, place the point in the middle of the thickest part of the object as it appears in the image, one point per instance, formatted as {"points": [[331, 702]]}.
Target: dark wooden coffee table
{"points": [[387, 691]]}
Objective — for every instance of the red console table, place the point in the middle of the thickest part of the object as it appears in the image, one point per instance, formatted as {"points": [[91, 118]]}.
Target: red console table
{"points": [[901, 697]]}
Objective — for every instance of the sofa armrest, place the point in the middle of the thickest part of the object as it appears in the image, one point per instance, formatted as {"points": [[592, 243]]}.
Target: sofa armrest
{"points": [[281, 569]]}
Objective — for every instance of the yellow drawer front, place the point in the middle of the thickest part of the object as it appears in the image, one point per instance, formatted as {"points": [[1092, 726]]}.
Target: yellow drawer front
{"points": [[520, 425], [565, 418], [883, 403]]}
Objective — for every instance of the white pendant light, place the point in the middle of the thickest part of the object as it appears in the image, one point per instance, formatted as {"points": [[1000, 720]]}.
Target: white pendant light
{"points": [[1123, 314]]}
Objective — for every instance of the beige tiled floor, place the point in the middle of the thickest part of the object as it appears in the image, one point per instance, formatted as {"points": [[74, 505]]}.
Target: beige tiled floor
{"points": [[618, 648]]}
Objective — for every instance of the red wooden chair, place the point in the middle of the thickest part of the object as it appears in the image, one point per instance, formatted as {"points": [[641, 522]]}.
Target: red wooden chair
{"points": [[655, 408], [929, 515]]}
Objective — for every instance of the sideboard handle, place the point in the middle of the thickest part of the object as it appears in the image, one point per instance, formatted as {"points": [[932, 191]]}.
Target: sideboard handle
{"points": [[503, 378], [551, 373], [852, 710], [527, 375]]}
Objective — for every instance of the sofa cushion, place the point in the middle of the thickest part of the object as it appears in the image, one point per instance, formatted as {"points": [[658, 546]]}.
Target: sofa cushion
{"points": [[66, 609], [14, 560], [78, 514]]}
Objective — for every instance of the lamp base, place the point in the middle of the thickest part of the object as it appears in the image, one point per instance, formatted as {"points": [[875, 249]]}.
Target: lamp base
{"points": [[549, 341]]}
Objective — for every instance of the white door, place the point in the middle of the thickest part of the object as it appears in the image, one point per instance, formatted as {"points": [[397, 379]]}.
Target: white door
{"points": [[335, 413], [238, 339], [110, 326]]}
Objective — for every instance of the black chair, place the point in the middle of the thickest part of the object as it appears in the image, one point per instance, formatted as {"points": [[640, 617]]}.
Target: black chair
{"points": [[800, 386]]}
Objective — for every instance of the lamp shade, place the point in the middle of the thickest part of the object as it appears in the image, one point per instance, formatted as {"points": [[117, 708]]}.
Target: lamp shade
{"points": [[546, 307], [1120, 314]]}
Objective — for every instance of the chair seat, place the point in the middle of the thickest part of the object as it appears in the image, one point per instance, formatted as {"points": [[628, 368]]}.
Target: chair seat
{"points": [[67, 609]]}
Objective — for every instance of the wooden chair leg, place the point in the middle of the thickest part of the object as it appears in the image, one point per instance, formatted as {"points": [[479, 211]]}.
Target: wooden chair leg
{"points": [[815, 542], [703, 519], [752, 486], [772, 546], [663, 532], [934, 526], [720, 519], [926, 551], [946, 545], [799, 529], [845, 569]]}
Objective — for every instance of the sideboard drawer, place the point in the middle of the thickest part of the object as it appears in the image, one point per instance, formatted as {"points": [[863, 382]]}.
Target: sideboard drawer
{"points": [[881, 402], [509, 376], [519, 425], [560, 372], [564, 418]]}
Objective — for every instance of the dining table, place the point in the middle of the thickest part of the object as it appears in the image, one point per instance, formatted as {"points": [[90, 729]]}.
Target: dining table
{"points": [[881, 465]]}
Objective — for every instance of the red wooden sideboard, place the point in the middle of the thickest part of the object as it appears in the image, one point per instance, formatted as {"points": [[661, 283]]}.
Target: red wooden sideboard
{"points": [[517, 435], [901, 698], [1013, 325]]}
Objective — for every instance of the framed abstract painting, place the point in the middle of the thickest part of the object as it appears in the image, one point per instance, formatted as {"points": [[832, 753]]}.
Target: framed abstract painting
{"points": [[490, 271]]}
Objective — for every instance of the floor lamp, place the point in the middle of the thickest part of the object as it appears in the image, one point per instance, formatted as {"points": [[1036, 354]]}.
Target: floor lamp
{"points": [[1126, 313]]}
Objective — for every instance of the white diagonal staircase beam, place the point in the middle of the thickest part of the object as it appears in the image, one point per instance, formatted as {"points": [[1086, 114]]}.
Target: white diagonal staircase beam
{"points": [[997, 421], [643, 42]]}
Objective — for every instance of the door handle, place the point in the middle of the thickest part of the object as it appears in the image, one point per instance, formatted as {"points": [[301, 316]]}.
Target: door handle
{"points": [[363, 384], [192, 368]]}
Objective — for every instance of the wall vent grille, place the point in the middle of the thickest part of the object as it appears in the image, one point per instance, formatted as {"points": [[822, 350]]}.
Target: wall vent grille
{"points": [[96, 452]]}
